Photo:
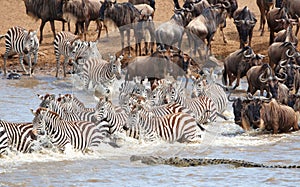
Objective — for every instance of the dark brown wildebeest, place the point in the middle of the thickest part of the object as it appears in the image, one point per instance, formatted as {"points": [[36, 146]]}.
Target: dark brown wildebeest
{"points": [[244, 21], [238, 63], [262, 78], [278, 118], [293, 9], [277, 20], [46, 10], [125, 16], [82, 12], [264, 7], [169, 33], [204, 27], [246, 111], [279, 51]]}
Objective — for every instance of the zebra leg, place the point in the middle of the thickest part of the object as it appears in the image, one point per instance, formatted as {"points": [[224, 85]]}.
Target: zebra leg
{"points": [[35, 58], [128, 41], [4, 59], [122, 41], [22, 64], [57, 64], [64, 65], [29, 63]]}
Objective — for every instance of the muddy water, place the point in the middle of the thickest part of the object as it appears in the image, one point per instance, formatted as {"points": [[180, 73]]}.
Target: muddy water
{"points": [[111, 166]]}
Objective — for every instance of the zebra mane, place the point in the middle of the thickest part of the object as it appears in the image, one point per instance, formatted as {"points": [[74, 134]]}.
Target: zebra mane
{"points": [[42, 109]]}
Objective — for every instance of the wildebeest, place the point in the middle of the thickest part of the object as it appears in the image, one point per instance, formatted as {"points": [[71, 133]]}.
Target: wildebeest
{"points": [[262, 78], [246, 111], [83, 11], [238, 63], [287, 35], [196, 6], [204, 26], [278, 118], [169, 33], [291, 69], [277, 20], [245, 21], [145, 9], [125, 15], [46, 10], [278, 51], [148, 2], [293, 9], [264, 7]]}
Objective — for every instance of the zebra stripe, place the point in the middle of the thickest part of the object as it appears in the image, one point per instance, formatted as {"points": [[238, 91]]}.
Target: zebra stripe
{"points": [[20, 135], [80, 134], [203, 107], [127, 88], [179, 127], [99, 71], [3, 141], [23, 42], [213, 91]]}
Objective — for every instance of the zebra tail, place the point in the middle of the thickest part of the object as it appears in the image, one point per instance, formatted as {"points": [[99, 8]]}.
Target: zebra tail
{"points": [[222, 116], [200, 126]]}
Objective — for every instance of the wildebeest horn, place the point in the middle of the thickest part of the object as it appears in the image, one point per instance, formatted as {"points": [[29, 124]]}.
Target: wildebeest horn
{"points": [[288, 55], [250, 22], [281, 79], [189, 10], [239, 21], [250, 55], [281, 63], [226, 4], [261, 79]]}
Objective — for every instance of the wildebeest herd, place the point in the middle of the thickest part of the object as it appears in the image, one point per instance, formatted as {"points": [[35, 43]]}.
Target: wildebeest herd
{"points": [[152, 102]]}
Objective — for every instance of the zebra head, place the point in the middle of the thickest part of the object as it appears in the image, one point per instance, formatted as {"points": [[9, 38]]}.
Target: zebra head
{"points": [[31, 41], [133, 118], [46, 100], [198, 86], [103, 107], [116, 66], [38, 121]]}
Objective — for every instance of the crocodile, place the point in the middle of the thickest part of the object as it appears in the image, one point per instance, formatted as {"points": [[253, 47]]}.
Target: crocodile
{"points": [[187, 162]]}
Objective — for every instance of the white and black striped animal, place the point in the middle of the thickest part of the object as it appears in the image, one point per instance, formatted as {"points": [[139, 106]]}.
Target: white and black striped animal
{"points": [[203, 107], [3, 141], [174, 127], [63, 43], [80, 134], [20, 135], [211, 90], [24, 43], [99, 71]]}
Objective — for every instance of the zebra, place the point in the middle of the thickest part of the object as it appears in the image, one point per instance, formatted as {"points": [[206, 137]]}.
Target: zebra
{"points": [[212, 90], [106, 111], [20, 135], [180, 127], [128, 88], [80, 134], [3, 141], [203, 107], [63, 45], [99, 71], [23, 42]]}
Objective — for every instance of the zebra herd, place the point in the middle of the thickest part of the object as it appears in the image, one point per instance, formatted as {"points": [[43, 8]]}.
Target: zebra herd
{"points": [[64, 119]]}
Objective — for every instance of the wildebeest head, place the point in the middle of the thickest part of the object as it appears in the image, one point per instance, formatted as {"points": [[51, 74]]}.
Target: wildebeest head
{"points": [[245, 22], [106, 7]]}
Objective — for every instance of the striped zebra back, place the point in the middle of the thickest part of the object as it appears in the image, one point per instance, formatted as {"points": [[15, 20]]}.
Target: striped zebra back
{"points": [[20, 135], [179, 127], [203, 107], [3, 141], [23, 42], [99, 71], [213, 91], [80, 134]]}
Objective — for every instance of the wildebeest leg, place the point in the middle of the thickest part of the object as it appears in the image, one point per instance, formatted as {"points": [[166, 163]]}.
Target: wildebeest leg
{"points": [[271, 37], [53, 28], [250, 37], [128, 41], [99, 25], [41, 30], [223, 35], [122, 41], [297, 28], [237, 80], [86, 26], [63, 25]]}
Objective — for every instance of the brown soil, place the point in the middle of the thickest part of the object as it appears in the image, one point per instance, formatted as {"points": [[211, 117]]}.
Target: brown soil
{"points": [[13, 13]]}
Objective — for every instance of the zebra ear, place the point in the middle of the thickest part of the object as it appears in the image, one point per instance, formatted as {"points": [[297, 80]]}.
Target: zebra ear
{"points": [[33, 112], [41, 97]]}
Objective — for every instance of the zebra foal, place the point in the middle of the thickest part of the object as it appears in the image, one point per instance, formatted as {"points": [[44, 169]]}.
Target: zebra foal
{"points": [[23, 42]]}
